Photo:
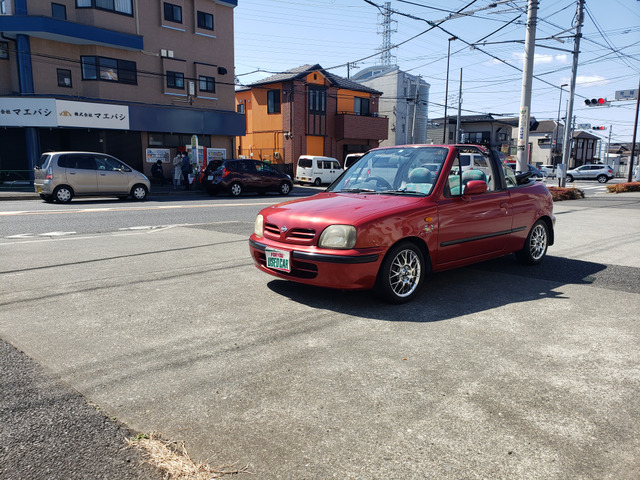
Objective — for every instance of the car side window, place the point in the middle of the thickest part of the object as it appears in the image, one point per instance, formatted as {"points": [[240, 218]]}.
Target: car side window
{"points": [[509, 176], [84, 162], [464, 170]]}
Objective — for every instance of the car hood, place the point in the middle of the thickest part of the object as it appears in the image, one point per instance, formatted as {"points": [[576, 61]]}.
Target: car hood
{"points": [[325, 209]]}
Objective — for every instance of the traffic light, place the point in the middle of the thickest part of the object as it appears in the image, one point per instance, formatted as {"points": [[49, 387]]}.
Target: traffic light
{"points": [[597, 102], [599, 128]]}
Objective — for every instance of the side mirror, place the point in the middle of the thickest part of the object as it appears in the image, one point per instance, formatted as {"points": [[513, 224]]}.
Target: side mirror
{"points": [[475, 187]]}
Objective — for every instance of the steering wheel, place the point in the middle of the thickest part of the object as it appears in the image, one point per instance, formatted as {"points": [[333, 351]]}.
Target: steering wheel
{"points": [[380, 182]]}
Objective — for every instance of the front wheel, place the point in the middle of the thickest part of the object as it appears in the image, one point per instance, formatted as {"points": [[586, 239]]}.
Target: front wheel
{"points": [[569, 178], [285, 188], [235, 189], [139, 192], [401, 274], [535, 247], [603, 178]]}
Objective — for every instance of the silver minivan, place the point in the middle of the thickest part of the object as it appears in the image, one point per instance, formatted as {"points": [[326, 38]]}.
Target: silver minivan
{"points": [[60, 176]]}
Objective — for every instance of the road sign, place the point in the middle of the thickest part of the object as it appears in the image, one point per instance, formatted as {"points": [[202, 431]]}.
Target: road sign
{"points": [[583, 126], [627, 94]]}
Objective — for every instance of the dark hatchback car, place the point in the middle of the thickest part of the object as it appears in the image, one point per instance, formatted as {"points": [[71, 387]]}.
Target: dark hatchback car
{"points": [[238, 176]]}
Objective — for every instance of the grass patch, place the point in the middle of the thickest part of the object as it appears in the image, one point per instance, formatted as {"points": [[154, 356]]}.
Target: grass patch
{"points": [[565, 193], [624, 187], [172, 459]]}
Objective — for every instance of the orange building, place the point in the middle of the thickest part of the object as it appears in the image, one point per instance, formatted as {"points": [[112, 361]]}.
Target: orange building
{"points": [[308, 111]]}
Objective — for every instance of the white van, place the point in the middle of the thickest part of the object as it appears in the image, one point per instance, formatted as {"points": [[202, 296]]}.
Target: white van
{"points": [[317, 170]]}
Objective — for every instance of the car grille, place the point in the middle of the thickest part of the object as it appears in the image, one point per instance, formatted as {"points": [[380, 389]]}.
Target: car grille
{"points": [[300, 236]]}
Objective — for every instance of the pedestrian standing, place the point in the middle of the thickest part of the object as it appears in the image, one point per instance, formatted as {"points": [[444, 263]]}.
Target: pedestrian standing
{"points": [[186, 169], [177, 170]]}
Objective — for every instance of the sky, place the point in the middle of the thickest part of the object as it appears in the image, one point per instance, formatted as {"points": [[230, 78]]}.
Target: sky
{"points": [[273, 36]]}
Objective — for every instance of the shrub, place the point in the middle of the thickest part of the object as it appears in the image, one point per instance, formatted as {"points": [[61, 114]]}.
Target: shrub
{"points": [[624, 187], [565, 193]]}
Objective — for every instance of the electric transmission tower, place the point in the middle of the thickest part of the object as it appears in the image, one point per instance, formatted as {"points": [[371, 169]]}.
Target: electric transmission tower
{"points": [[387, 26]]}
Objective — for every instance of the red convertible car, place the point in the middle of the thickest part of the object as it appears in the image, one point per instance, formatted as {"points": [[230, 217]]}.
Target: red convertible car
{"points": [[401, 213]]}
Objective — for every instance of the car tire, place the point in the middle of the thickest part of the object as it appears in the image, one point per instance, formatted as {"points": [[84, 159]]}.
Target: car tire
{"points": [[401, 273], [569, 178], [235, 189], [63, 194], [139, 192], [285, 188], [317, 182], [603, 178], [536, 244]]}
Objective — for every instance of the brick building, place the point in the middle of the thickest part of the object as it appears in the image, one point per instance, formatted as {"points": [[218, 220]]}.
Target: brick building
{"points": [[308, 111], [122, 77]]}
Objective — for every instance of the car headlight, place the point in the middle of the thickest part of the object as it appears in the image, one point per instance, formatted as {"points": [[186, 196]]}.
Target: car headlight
{"points": [[338, 236], [258, 225]]}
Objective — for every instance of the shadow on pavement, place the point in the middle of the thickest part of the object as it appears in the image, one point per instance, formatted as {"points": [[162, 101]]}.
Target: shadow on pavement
{"points": [[453, 293]]}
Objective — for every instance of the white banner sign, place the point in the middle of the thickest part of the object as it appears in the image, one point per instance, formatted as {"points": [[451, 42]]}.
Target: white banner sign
{"points": [[49, 112], [28, 112], [216, 154], [92, 115]]}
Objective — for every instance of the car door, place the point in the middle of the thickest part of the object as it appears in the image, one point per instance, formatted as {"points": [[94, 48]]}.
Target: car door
{"points": [[113, 177], [470, 226], [268, 177], [80, 170]]}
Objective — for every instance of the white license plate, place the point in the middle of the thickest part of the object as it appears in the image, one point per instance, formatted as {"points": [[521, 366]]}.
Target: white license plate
{"points": [[278, 260]]}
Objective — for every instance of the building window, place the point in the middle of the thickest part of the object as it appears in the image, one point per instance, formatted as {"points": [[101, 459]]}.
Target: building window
{"points": [[240, 108], [59, 11], [118, 6], [4, 50], [361, 106], [273, 101], [175, 80], [64, 78], [109, 70], [207, 84], [317, 101], [205, 20], [172, 13]]}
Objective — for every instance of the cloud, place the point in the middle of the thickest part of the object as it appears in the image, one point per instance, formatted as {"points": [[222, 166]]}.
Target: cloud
{"points": [[542, 59], [591, 80]]}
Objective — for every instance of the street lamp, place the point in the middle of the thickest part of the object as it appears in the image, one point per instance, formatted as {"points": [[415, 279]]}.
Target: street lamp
{"points": [[555, 148], [446, 92]]}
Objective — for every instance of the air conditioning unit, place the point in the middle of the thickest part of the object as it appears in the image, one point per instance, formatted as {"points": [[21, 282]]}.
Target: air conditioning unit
{"points": [[276, 155], [170, 53]]}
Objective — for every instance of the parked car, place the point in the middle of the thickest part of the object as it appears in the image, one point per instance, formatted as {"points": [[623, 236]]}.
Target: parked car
{"points": [[548, 170], [244, 175], [317, 170], [389, 221], [60, 176], [535, 172], [350, 159], [602, 173]]}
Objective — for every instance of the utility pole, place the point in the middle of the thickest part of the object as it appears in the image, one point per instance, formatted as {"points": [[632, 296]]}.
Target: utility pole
{"points": [[568, 132], [415, 111], [633, 145], [527, 78], [459, 109]]}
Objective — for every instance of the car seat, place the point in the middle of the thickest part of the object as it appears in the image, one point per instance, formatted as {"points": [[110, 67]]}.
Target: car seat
{"points": [[420, 180]]}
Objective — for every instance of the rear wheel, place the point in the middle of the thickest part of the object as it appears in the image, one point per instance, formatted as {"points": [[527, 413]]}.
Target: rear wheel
{"points": [[569, 178], [285, 188], [535, 247], [235, 189], [63, 194], [317, 182], [401, 274], [139, 192], [603, 178]]}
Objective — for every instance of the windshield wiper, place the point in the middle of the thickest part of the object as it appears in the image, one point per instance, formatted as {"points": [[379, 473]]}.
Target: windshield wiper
{"points": [[357, 190]]}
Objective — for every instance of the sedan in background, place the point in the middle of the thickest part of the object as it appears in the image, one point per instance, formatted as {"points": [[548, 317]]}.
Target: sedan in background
{"points": [[392, 219], [244, 175]]}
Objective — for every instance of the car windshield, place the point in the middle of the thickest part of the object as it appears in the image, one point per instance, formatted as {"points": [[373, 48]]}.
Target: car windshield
{"points": [[406, 170]]}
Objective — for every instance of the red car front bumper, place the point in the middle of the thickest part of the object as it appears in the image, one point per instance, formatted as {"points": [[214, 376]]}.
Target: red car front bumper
{"points": [[348, 270]]}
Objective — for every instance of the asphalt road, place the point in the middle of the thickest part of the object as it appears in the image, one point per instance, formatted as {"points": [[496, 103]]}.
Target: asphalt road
{"points": [[495, 371]]}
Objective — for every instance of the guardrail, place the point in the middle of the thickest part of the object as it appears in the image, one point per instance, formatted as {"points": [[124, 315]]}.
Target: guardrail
{"points": [[16, 180]]}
